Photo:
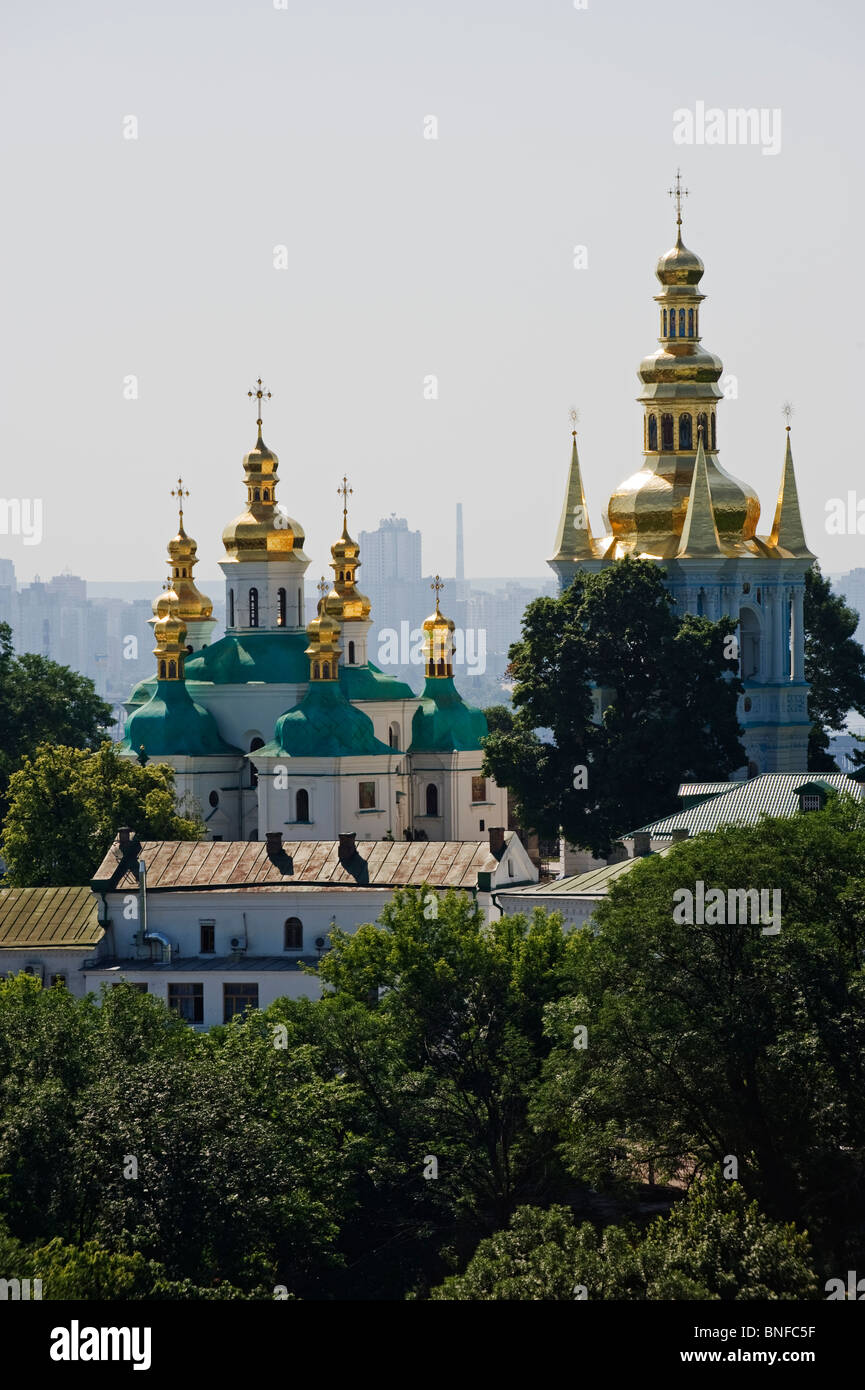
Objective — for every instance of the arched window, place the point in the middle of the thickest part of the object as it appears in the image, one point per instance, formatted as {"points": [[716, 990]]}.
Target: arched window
{"points": [[266, 494], [253, 770], [667, 432], [690, 323], [300, 607], [316, 670], [280, 613], [325, 670], [664, 312], [253, 608], [749, 630], [686, 432], [681, 323], [293, 934], [672, 323], [172, 670], [393, 735], [713, 429], [162, 670], [432, 799], [255, 496], [351, 653], [301, 805], [231, 608], [653, 432], [702, 424]]}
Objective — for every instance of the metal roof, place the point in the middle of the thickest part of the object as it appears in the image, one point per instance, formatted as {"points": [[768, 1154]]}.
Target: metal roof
{"points": [[48, 918], [595, 883], [178, 865], [771, 794], [703, 788], [197, 964]]}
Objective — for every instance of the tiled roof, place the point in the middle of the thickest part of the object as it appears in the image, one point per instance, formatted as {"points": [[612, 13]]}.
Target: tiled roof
{"points": [[772, 794], [186, 864], [48, 917]]}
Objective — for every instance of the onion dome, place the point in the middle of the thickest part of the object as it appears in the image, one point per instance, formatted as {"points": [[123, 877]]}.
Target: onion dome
{"points": [[344, 602], [169, 630], [679, 266], [263, 531], [438, 640], [324, 650], [325, 725], [183, 557], [172, 724], [443, 722]]}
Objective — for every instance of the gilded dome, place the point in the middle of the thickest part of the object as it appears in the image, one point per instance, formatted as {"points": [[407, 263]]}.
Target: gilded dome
{"points": [[679, 266], [345, 602], [263, 531]]}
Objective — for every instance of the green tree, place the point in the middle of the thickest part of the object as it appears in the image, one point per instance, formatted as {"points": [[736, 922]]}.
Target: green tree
{"points": [[712, 1039], [66, 805], [43, 702], [834, 667], [716, 1244], [668, 694]]}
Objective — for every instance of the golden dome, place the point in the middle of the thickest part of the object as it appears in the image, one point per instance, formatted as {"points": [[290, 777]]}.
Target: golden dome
{"points": [[679, 266], [169, 630], [345, 602], [262, 531], [183, 557], [438, 640], [324, 650]]}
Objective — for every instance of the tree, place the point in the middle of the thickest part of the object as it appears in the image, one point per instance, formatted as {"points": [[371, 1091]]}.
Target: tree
{"points": [[713, 1245], [66, 805], [834, 667], [43, 702], [667, 690], [710, 1041]]}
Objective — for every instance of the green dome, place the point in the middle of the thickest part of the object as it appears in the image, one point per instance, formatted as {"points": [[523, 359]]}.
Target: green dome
{"points": [[325, 725], [276, 658], [444, 723], [171, 724], [369, 683]]}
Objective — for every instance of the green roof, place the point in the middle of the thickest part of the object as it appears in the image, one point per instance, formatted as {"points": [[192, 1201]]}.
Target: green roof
{"points": [[325, 725], [369, 683], [172, 724], [276, 658], [771, 794], [594, 883], [444, 722]]}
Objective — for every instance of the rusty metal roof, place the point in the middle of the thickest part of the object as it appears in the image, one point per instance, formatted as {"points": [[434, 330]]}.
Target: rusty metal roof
{"points": [[178, 865], [48, 918]]}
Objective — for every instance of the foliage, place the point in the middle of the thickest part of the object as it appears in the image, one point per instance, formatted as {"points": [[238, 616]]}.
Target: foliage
{"points": [[834, 667]]}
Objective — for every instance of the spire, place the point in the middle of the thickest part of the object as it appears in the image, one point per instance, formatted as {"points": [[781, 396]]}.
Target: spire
{"points": [[345, 602], [788, 532], [195, 607], [699, 533], [574, 536]]}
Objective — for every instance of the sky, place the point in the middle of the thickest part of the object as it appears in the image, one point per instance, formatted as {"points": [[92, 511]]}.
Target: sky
{"points": [[147, 266]]}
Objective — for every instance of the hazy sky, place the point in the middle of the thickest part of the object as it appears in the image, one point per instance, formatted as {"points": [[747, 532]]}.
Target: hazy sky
{"points": [[303, 127]]}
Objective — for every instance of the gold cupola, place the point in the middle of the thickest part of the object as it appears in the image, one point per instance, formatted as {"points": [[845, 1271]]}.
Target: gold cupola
{"points": [[344, 602], [263, 531], [324, 650], [195, 607], [679, 398], [438, 640], [169, 631]]}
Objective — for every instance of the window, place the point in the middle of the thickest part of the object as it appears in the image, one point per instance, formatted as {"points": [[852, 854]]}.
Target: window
{"points": [[664, 312], [686, 434], [672, 323], [316, 670], [301, 805], [280, 613], [667, 432], [811, 801], [653, 432], [366, 796], [479, 789], [266, 494], [162, 670], [255, 495], [61, 979], [253, 770], [702, 424], [188, 1001], [432, 799], [208, 938], [482, 825], [253, 608], [681, 323], [293, 934], [214, 798], [300, 607], [236, 999], [690, 323], [325, 670], [172, 670], [351, 653], [393, 735], [231, 608], [510, 868], [712, 422]]}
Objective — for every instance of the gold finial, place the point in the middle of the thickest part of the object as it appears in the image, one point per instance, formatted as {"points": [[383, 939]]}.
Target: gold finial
{"points": [[678, 192], [323, 586], [575, 420], [259, 395], [346, 491], [438, 586], [787, 412], [179, 493]]}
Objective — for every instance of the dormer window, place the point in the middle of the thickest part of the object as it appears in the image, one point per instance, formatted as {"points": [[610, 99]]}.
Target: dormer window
{"points": [[812, 796]]}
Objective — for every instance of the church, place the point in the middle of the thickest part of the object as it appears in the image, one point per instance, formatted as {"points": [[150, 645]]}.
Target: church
{"points": [[282, 726], [683, 510]]}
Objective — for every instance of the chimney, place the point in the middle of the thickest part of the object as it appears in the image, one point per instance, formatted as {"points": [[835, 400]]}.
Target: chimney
{"points": [[347, 847], [497, 840], [642, 844], [274, 843], [126, 836], [681, 832]]}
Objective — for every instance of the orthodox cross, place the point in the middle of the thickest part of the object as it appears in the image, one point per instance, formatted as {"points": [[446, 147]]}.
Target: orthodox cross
{"points": [[259, 395], [575, 420], [438, 586], [323, 586], [345, 490], [678, 192], [179, 493], [787, 412]]}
